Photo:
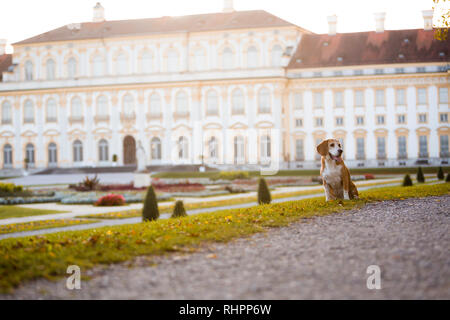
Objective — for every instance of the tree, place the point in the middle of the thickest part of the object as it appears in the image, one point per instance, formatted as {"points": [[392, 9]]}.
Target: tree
{"points": [[440, 174], [447, 179], [420, 176], [441, 33], [263, 192], [150, 211], [407, 182], [178, 210]]}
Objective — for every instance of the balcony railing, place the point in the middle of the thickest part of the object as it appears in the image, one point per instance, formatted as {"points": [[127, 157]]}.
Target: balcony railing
{"points": [[51, 119], [76, 119], [444, 154], [360, 157], [28, 120], [154, 116], [127, 116], [381, 156], [101, 118], [6, 121], [423, 155], [402, 156], [181, 115]]}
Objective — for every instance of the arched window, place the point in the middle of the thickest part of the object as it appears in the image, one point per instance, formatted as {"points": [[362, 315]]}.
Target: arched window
{"points": [[98, 67], [155, 148], [7, 156], [252, 57], [102, 106], [199, 59], [71, 68], [264, 100], [103, 154], [212, 103], [28, 112], [122, 64], [6, 112], [128, 105], [237, 102], [239, 149], [265, 148], [50, 66], [172, 61], [182, 148], [146, 62], [76, 108], [182, 103], [277, 51], [77, 151], [52, 155], [227, 58], [212, 146], [51, 110], [28, 70], [155, 105], [29, 154]]}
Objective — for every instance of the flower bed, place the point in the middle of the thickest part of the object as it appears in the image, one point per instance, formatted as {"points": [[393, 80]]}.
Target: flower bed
{"points": [[111, 200]]}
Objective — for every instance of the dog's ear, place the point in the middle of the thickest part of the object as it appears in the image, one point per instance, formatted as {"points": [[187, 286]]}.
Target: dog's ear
{"points": [[322, 148]]}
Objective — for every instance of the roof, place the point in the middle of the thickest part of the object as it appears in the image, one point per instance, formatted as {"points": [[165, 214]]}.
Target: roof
{"points": [[368, 48], [190, 23], [5, 63]]}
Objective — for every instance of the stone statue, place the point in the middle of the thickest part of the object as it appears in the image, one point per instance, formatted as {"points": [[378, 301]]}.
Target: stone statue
{"points": [[140, 157]]}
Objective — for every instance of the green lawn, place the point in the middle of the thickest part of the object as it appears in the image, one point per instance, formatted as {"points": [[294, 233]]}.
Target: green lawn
{"points": [[16, 212], [48, 256], [42, 224]]}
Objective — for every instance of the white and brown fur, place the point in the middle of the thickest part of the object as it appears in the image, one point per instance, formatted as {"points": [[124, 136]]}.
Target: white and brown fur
{"points": [[335, 175]]}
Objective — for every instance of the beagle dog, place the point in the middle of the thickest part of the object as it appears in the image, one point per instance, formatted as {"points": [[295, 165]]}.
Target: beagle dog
{"points": [[335, 175]]}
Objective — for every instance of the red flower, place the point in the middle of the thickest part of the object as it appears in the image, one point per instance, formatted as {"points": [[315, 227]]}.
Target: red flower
{"points": [[111, 200]]}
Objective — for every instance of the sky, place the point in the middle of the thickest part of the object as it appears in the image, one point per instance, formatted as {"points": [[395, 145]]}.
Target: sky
{"points": [[21, 19]]}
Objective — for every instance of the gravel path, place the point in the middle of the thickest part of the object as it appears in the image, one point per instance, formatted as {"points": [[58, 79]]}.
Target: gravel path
{"points": [[325, 257]]}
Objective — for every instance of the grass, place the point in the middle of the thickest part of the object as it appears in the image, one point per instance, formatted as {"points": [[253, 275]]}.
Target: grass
{"points": [[42, 224], [7, 212], [48, 256]]}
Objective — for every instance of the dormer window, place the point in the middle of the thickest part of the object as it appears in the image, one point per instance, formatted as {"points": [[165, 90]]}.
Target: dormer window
{"points": [[299, 60], [401, 56], [406, 40], [325, 44], [441, 54], [339, 59]]}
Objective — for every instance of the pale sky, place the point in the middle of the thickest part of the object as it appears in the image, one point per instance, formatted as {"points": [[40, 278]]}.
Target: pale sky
{"points": [[21, 19]]}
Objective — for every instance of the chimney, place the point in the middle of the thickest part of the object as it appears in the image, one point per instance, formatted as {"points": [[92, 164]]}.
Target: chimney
{"points": [[2, 46], [99, 13], [228, 6], [332, 21], [427, 19], [379, 21]]}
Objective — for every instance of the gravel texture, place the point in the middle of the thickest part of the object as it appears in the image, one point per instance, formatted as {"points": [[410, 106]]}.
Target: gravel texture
{"points": [[321, 258]]}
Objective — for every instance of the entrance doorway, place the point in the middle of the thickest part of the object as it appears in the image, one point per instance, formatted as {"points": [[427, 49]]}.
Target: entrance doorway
{"points": [[129, 150]]}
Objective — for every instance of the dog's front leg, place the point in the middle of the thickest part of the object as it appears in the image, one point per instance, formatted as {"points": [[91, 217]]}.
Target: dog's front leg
{"points": [[328, 193]]}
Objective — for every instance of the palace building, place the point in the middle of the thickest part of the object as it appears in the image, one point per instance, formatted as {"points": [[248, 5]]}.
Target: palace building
{"points": [[228, 88]]}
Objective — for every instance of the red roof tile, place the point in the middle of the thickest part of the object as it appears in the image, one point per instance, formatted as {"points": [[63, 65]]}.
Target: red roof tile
{"points": [[5, 63], [366, 48]]}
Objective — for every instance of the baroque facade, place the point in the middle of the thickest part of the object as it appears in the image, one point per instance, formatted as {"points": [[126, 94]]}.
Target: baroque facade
{"points": [[236, 87]]}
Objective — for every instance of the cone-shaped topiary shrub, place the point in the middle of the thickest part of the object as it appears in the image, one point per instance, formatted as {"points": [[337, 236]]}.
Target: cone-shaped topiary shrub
{"points": [[263, 192], [150, 211], [407, 182], [440, 174], [447, 179], [178, 210], [420, 176]]}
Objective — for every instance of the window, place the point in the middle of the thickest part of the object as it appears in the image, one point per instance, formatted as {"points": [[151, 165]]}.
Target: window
{"points": [[401, 97], [380, 120], [7, 156], [238, 149], [359, 98], [443, 139], [443, 95], [401, 141], [422, 118], [299, 150], [122, 64], [155, 148], [299, 123], [319, 122], [252, 57], [71, 68], [182, 148], [199, 59], [381, 147], [227, 58], [128, 105], [76, 109], [401, 119], [360, 153], [421, 96], [6, 112], [265, 148], [103, 154], [318, 99], [146, 62], [28, 70], [359, 120], [155, 105], [50, 66], [339, 99], [212, 146], [379, 97], [423, 147], [51, 110], [264, 100], [181, 103], [237, 102], [317, 155], [102, 107], [212, 102], [339, 121], [298, 101], [29, 154], [98, 68], [277, 52], [52, 155], [28, 112], [77, 151], [443, 117]]}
